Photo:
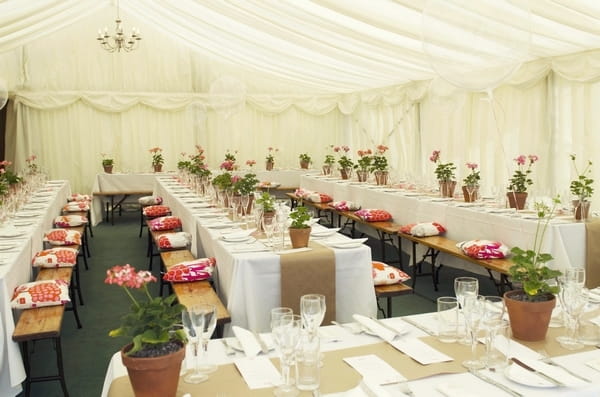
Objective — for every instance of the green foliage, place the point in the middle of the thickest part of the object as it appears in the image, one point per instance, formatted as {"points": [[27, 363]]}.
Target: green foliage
{"points": [[305, 157], [107, 162], [267, 202], [380, 163], [245, 185], [529, 265], [300, 218], [329, 159], [223, 181], [582, 185], [345, 162]]}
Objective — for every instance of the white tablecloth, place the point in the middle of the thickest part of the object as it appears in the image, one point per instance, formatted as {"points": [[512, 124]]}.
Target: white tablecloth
{"points": [[249, 283], [17, 271], [564, 240]]}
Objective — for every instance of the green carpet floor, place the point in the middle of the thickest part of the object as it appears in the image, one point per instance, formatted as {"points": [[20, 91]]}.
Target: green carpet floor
{"points": [[87, 351]]}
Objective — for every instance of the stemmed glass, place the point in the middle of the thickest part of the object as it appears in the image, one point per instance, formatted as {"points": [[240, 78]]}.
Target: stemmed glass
{"points": [[245, 201], [573, 299], [473, 311], [464, 287], [203, 320], [276, 314], [268, 224], [281, 216], [189, 320], [493, 313], [286, 332], [312, 307], [234, 203]]}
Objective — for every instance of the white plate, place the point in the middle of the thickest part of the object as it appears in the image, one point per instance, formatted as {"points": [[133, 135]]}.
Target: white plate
{"points": [[522, 376], [324, 233], [348, 244], [208, 215], [236, 239], [221, 226]]}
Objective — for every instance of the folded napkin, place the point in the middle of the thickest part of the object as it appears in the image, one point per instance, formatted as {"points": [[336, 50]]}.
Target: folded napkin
{"points": [[247, 340], [292, 250], [379, 330], [457, 389], [237, 233], [556, 372], [324, 232]]}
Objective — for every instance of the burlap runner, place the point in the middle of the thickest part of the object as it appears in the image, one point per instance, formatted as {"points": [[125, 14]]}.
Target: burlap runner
{"points": [[309, 272], [592, 255], [337, 376]]}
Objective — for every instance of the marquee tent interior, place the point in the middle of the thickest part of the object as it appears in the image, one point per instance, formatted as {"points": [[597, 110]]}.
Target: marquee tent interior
{"points": [[482, 81]]}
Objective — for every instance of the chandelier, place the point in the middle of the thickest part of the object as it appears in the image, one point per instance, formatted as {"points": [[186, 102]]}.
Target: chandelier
{"points": [[119, 41]]}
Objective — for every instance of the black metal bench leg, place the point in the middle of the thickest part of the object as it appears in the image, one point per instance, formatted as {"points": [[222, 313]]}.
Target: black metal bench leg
{"points": [[25, 353], [61, 370]]}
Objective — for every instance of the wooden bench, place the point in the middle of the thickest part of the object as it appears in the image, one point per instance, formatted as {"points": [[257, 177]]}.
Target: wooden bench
{"points": [[323, 209], [111, 205], [45, 323], [195, 292], [388, 292], [438, 244]]}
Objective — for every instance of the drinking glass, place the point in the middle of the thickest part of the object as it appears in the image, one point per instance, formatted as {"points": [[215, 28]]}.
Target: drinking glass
{"points": [[195, 375], [312, 308], [470, 190], [447, 317], [493, 314], [245, 200], [574, 276], [463, 287], [204, 318], [573, 300], [473, 311], [234, 203], [268, 224], [286, 332]]}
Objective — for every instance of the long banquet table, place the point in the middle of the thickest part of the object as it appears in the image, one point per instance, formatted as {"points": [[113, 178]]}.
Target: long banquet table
{"points": [[34, 219], [144, 181], [249, 283], [340, 380], [565, 239]]}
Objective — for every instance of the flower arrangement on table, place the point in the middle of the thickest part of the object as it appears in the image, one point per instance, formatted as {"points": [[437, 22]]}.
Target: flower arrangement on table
{"points": [[183, 163], [444, 172], [581, 187], [157, 157], [153, 323], [250, 163], [344, 161], [34, 168], [271, 151], [197, 165], [364, 161], [379, 162], [305, 158], [106, 161], [473, 178], [227, 165], [223, 181], [244, 185], [231, 156], [520, 180], [8, 175]]}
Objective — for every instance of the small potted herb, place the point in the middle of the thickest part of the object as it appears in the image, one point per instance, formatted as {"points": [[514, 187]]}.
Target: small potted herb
{"points": [[582, 189], [300, 228], [107, 163], [305, 160]]}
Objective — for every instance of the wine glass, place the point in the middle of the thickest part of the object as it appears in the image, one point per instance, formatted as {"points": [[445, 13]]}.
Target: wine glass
{"points": [[245, 200], [312, 308], [204, 318], [276, 314], [473, 311], [195, 375], [286, 332], [493, 313], [268, 224], [573, 299], [464, 287]]}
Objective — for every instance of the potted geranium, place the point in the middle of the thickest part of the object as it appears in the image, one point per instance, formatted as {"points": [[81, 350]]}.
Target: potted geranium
{"points": [[305, 160], [270, 159], [32, 166], [444, 173], [8, 175], [156, 339], [250, 163], [582, 188], [267, 203], [530, 308], [157, 159], [107, 163], [363, 164], [183, 163], [328, 162], [197, 166], [520, 181], [300, 228], [470, 186], [379, 166], [223, 181], [229, 164], [344, 162]]}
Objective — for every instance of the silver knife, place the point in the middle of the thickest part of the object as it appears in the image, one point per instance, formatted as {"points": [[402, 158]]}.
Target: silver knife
{"points": [[543, 375], [495, 383], [261, 342]]}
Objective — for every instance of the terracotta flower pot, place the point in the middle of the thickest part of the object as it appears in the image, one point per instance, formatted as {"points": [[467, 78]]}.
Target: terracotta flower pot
{"points": [[581, 211], [517, 200], [269, 165], [304, 165], [447, 188], [528, 320], [472, 197], [381, 177], [299, 237], [346, 173], [154, 376], [108, 169], [362, 175], [157, 167]]}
